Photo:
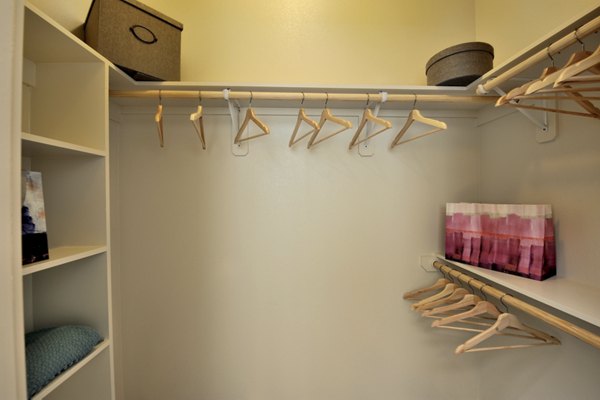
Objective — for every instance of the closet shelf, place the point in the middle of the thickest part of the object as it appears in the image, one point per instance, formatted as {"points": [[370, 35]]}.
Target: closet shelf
{"points": [[62, 378], [35, 145], [63, 255], [573, 298], [46, 41]]}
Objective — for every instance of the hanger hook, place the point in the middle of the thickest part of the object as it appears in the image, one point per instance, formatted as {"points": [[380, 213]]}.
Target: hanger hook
{"points": [[159, 97], [368, 99], [326, 99], [579, 40], [302, 99], [446, 275], [199, 97], [415, 101], [482, 293], [469, 285], [549, 55], [251, 96], [502, 301]]}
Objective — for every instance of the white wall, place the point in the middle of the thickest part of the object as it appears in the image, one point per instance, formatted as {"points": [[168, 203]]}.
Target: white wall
{"points": [[566, 174], [279, 275]]}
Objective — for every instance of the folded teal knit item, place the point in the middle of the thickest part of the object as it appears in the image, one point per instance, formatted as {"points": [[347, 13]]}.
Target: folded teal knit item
{"points": [[49, 352]]}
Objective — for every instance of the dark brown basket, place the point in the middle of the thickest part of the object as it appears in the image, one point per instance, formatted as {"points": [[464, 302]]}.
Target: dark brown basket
{"points": [[459, 65], [143, 42]]}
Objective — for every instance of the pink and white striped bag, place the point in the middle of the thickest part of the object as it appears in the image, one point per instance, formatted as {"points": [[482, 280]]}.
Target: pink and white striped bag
{"points": [[512, 238]]}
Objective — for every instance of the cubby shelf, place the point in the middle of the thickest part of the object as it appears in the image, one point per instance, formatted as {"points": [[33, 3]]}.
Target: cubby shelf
{"points": [[63, 255], [35, 145], [60, 379]]}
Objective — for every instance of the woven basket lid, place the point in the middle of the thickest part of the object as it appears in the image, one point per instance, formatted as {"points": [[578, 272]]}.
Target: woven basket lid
{"points": [[460, 48]]}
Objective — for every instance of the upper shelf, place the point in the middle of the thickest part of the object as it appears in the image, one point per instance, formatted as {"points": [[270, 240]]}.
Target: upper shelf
{"points": [[573, 298], [45, 41]]}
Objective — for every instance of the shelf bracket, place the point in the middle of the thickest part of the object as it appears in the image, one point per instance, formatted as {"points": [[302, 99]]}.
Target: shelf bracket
{"points": [[240, 149], [545, 129]]}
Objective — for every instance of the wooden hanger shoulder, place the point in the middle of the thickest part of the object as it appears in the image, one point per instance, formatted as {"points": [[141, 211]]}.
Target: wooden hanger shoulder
{"points": [[416, 116], [302, 118], [326, 115], [196, 119], [158, 118], [251, 117], [367, 117], [439, 284]]}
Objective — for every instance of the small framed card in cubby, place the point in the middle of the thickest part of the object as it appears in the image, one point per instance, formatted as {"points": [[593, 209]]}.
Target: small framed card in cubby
{"points": [[33, 218]]}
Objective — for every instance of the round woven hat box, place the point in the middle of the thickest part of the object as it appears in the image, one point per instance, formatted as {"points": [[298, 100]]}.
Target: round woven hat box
{"points": [[459, 65]]}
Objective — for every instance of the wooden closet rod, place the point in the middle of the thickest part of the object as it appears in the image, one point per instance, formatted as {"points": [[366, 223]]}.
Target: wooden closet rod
{"points": [[299, 96], [585, 30], [508, 300]]}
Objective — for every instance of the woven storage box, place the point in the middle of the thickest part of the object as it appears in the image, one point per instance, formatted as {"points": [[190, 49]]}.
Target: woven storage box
{"points": [[459, 65], [143, 42]]}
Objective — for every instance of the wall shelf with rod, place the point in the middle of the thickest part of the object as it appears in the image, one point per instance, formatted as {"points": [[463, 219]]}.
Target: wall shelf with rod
{"points": [[572, 298]]}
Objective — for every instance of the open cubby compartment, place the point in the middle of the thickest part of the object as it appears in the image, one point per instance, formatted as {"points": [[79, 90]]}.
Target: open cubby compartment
{"points": [[68, 103], [72, 294], [75, 199], [66, 85], [92, 382]]}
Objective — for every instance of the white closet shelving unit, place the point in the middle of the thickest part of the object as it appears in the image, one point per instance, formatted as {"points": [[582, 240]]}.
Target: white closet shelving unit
{"points": [[65, 137]]}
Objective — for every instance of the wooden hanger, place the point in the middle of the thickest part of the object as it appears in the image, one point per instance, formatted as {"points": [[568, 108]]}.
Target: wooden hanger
{"points": [[480, 309], [590, 64], [505, 321], [568, 94], [367, 117], [552, 78], [538, 87], [416, 116], [158, 118], [413, 294], [477, 321], [251, 117], [326, 116], [302, 117], [467, 301], [457, 295], [196, 119], [520, 91], [447, 291]]}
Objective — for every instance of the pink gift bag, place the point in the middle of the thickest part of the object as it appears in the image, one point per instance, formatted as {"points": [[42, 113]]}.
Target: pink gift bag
{"points": [[512, 238]]}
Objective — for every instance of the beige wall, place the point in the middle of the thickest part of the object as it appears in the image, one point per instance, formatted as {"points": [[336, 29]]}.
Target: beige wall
{"points": [[380, 42], [335, 42]]}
